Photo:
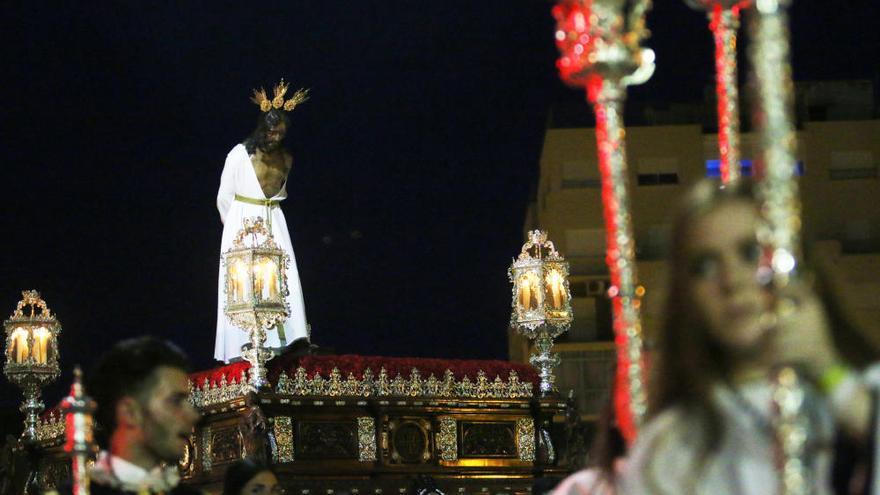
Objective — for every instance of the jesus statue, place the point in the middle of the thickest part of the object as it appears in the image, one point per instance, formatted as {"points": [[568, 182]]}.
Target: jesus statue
{"points": [[253, 184]]}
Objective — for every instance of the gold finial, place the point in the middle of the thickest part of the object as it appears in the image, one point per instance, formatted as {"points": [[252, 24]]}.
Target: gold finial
{"points": [[261, 98]]}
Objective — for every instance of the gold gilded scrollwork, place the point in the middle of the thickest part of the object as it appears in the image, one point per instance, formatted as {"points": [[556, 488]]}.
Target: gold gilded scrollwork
{"points": [[383, 386], [447, 439], [525, 433], [50, 428], [206, 449], [283, 429], [366, 439]]}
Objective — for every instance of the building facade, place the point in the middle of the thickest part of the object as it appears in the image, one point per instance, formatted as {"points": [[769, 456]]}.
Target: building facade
{"points": [[840, 193]]}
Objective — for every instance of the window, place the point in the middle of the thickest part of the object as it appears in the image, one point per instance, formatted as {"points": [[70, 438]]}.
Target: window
{"points": [[857, 230], [584, 326], [578, 289], [852, 173], [657, 171], [657, 179], [585, 242], [852, 165], [652, 242], [592, 311], [591, 375], [580, 174]]}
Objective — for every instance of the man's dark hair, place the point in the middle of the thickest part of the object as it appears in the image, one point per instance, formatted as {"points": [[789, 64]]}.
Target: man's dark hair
{"points": [[267, 120], [127, 370]]}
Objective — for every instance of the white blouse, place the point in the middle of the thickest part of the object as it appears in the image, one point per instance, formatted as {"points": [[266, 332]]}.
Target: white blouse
{"points": [[667, 458]]}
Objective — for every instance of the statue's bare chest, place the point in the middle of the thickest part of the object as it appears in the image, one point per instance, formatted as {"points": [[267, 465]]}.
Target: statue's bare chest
{"points": [[271, 171]]}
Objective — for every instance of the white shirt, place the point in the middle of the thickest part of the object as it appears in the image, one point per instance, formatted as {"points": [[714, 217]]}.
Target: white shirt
{"points": [[117, 472]]}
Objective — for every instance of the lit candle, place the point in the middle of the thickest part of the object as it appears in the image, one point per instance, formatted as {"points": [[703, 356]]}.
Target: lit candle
{"points": [[554, 281], [529, 293], [258, 279], [232, 275], [239, 285], [271, 279], [525, 290], [243, 281], [41, 340], [20, 341]]}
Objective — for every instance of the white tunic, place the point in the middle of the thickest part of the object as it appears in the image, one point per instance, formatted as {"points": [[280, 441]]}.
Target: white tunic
{"points": [[239, 177]]}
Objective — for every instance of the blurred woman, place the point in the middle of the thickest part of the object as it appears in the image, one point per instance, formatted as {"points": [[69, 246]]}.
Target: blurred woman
{"points": [[709, 426]]}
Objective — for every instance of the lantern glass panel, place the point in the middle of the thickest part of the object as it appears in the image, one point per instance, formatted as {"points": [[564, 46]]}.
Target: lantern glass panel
{"points": [[554, 285], [239, 288], [41, 345], [530, 296], [266, 278]]}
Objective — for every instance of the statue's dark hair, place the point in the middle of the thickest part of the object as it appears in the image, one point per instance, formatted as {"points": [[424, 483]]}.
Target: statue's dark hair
{"points": [[127, 370], [266, 121]]}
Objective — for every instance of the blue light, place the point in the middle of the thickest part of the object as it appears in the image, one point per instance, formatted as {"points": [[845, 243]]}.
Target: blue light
{"points": [[713, 168]]}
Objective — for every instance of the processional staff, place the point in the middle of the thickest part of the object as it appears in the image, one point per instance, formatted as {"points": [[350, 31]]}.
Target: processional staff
{"points": [[776, 184], [724, 23], [79, 432], [780, 206], [600, 45]]}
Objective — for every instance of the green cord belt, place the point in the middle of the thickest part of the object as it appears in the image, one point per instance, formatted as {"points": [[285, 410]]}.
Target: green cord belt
{"points": [[268, 203]]}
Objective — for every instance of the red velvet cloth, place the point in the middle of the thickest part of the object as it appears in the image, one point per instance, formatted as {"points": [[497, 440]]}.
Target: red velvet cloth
{"points": [[356, 364], [232, 372]]}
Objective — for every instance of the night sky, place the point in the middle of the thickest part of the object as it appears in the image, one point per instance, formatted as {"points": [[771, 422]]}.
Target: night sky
{"points": [[414, 159]]}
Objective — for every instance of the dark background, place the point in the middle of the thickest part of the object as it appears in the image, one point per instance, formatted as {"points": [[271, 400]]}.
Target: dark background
{"points": [[414, 160]]}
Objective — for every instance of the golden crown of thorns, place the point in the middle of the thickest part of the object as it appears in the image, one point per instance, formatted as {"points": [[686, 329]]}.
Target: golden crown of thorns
{"points": [[277, 101]]}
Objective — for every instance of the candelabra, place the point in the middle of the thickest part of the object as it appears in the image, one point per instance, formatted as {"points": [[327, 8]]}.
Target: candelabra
{"points": [[541, 303], [31, 354], [256, 291]]}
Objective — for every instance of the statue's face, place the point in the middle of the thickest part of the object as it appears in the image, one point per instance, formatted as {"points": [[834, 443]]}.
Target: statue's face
{"points": [[274, 136]]}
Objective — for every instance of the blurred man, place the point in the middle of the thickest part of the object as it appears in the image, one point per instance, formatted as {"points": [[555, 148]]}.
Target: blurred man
{"points": [[144, 418]]}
